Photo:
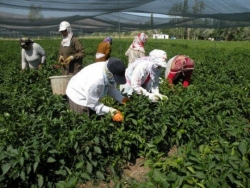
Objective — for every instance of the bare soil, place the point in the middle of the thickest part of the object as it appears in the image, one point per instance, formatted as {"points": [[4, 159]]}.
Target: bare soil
{"points": [[135, 171]]}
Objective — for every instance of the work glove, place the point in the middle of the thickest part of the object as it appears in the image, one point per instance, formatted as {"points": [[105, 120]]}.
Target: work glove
{"points": [[60, 59], [153, 97], [68, 60], [125, 100], [116, 115], [161, 97]]}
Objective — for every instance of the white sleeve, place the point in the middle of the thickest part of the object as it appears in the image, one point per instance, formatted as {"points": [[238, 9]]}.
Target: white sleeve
{"points": [[93, 96], [24, 62], [136, 81], [41, 52], [155, 87]]}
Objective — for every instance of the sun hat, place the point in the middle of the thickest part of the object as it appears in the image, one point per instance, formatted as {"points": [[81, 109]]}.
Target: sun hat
{"points": [[117, 68], [63, 26], [159, 57]]}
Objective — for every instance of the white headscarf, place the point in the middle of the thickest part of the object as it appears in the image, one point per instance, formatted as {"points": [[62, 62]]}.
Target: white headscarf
{"points": [[157, 58], [66, 40]]}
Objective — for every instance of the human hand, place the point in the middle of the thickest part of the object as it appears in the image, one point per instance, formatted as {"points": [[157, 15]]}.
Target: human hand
{"points": [[153, 97], [60, 59], [125, 100], [68, 60], [116, 115], [162, 97]]}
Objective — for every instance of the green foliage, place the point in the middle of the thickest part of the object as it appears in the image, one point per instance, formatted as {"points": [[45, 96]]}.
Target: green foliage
{"points": [[44, 144]]}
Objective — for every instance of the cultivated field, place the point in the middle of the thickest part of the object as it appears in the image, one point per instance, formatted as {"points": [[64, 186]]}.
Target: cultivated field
{"points": [[198, 138]]}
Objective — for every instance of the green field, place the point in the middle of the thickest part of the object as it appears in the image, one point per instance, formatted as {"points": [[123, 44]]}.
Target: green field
{"points": [[44, 144]]}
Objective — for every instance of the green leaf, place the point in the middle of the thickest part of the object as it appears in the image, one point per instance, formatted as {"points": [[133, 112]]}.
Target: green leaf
{"points": [[89, 167], [233, 164], [84, 175], [72, 182], [201, 185], [35, 166], [230, 176], [239, 183], [21, 161], [134, 121], [22, 175], [247, 170], [200, 175], [61, 184], [96, 140], [191, 169], [100, 175], [79, 165], [242, 148], [211, 165], [53, 151], [28, 169], [40, 181], [97, 149], [51, 160], [5, 168], [157, 175]]}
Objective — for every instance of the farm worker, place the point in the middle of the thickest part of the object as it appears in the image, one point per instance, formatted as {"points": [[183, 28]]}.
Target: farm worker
{"points": [[179, 66], [32, 54], [103, 50], [86, 88], [71, 51], [136, 49], [142, 77]]}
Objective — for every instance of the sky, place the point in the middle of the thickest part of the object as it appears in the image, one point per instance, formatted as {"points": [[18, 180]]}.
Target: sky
{"points": [[48, 14]]}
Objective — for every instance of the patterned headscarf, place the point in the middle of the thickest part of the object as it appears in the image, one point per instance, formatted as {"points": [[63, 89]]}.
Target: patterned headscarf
{"points": [[139, 41], [108, 39]]}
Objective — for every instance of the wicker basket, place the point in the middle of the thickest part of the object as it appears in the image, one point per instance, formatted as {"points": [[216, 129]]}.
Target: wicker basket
{"points": [[59, 84]]}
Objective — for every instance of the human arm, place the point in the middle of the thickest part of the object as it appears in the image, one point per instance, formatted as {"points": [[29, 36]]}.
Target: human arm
{"points": [[79, 49], [23, 59], [108, 51], [116, 95], [41, 52], [138, 77], [187, 78]]}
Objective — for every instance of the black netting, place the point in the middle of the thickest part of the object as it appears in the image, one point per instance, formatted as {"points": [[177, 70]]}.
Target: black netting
{"points": [[42, 17]]}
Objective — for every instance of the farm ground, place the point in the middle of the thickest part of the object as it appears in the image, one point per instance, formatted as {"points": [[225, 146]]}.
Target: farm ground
{"points": [[135, 171]]}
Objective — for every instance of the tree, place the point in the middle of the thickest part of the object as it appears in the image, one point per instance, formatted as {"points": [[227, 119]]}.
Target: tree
{"points": [[182, 9], [35, 12]]}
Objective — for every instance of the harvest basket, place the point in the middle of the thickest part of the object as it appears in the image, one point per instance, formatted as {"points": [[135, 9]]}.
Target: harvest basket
{"points": [[59, 84]]}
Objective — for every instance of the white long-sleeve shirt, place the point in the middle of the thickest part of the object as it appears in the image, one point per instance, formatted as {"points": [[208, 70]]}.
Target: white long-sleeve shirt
{"points": [[89, 85], [137, 74], [33, 57]]}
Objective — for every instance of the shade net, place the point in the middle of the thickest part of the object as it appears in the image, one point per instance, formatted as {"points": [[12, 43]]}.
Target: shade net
{"points": [[42, 17]]}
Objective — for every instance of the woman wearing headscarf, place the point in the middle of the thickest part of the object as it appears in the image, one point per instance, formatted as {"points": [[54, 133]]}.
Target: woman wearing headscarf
{"points": [[136, 49], [71, 50], [93, 82], [103, 50], [33, 55], [179, 67], [142, 77]]}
